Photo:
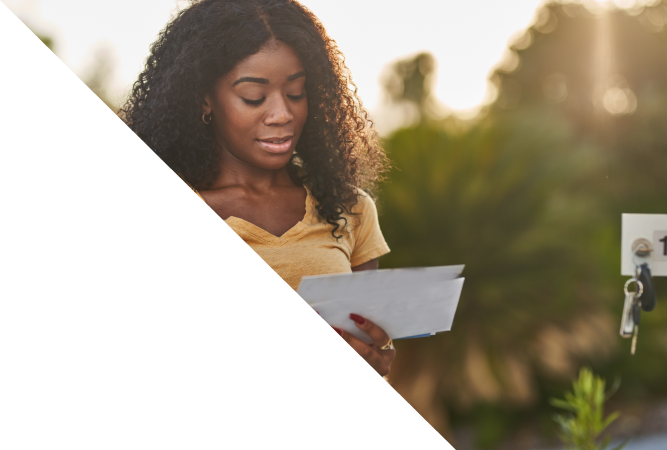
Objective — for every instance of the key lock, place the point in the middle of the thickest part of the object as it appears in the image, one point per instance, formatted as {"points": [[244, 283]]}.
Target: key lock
{"points": [[643, 297]]}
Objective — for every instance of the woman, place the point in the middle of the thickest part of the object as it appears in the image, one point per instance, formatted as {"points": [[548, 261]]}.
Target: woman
{"points": [[250, 102]]}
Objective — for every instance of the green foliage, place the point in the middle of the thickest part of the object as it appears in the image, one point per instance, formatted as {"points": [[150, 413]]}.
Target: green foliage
{"points": [[582, 428], [499, 198], [410, 79], [408, 85], [494, 422], [530, 198]]}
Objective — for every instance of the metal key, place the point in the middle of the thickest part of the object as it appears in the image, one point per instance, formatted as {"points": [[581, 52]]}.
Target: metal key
{"points": [[647, 298], [627, 319], [633, 347], [631, 313]]}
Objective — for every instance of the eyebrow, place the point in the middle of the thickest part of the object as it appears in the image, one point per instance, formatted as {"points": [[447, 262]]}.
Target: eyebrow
{"points": [[265, 80], [296, 75], [251, 80]]}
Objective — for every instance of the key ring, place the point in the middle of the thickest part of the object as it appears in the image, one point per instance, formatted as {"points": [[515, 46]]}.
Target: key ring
{"points": [[640, 287]]}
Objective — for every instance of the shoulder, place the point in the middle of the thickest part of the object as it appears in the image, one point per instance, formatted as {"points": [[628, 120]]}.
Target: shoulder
{"points": [[368, 241], [364, 203], [361, 213]]}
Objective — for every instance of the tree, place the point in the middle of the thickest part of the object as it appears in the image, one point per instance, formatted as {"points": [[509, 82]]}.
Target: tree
{"points": [[529, 198]]}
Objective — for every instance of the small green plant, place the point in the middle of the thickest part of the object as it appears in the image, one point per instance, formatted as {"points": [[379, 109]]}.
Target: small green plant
{"points": [[582, 428]]}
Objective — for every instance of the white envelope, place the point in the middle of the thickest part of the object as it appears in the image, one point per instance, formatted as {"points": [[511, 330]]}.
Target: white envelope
{"points": [[404, 302]]}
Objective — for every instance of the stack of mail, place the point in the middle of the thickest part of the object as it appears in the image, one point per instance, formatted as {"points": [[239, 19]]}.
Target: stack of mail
{"points": [[404, 302]]}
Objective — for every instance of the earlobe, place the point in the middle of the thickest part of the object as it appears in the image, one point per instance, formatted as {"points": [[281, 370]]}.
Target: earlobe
{"points": [[206, 105], [207, 112]]}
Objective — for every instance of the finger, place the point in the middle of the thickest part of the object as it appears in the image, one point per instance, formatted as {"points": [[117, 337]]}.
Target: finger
{"points": [[366, 354], [378, 335]]}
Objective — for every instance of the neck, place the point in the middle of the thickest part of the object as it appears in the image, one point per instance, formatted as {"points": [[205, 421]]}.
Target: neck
{"points": [[235, 172]]}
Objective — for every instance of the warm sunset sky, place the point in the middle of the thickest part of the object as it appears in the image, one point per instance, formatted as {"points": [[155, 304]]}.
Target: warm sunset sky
{"points": [[467, 37]]}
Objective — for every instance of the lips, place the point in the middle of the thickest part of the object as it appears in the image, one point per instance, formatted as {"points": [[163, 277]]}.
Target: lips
{"points": [[276, 144]]}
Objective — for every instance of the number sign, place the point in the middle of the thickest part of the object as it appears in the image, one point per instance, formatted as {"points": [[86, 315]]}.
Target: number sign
{"points": [[649, 227], [660, 245]]}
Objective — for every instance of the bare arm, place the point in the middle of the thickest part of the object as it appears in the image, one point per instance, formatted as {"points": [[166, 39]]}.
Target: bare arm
{"points": [[370, 265]]}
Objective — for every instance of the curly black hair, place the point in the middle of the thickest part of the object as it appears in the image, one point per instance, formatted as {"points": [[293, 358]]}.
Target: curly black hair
{"points": [[338, 150]]}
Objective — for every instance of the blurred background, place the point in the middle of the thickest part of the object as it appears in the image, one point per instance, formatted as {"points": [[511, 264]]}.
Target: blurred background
{"points": [[519, 132]]}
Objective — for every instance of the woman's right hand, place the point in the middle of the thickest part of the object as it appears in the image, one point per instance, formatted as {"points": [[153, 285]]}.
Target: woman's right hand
{"points": [[373, 353]]}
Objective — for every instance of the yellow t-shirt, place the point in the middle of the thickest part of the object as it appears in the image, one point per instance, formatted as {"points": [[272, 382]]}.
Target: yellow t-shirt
{"points": [[308, 248], [257, 275]]}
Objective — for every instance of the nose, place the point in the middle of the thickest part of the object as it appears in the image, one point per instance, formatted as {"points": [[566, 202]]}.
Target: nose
{"points": [[278, 112]]}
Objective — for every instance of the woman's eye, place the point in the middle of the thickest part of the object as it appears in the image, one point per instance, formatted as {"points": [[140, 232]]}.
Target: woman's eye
{"points": [[253, 102], [297, 97]]}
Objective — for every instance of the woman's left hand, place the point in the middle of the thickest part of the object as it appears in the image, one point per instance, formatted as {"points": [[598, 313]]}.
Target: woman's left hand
{"points": [[373, 353]]}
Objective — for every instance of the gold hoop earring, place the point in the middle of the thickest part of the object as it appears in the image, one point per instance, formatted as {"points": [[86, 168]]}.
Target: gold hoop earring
{"points": [[203, 118]]}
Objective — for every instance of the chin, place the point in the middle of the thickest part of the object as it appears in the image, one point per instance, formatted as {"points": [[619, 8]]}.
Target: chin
{"points": [[275, 163]]}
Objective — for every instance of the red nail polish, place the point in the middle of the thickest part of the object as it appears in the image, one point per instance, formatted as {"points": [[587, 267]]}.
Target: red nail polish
{"points": [[360, 320], [338, 331]]}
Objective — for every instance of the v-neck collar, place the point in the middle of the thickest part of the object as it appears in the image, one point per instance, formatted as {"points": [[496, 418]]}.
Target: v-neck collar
{"points": [[260, 233], [240, 224]]}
